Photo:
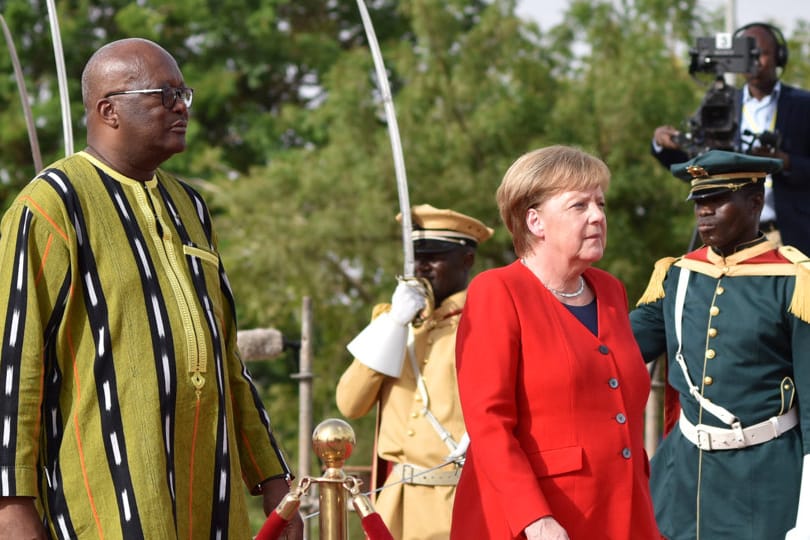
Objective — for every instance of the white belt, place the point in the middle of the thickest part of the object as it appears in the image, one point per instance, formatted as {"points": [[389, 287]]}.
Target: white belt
{"points": [[422, 476], [715, 438]]}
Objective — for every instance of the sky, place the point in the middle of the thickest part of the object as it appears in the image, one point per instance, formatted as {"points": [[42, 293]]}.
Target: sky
{"points": [[781, 13]]}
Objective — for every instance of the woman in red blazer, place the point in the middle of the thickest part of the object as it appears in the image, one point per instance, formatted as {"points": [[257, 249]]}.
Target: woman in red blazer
{"points": [[552, 384]]}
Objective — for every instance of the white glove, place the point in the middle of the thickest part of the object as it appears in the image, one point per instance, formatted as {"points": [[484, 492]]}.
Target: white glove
{"points": [[802, 529], [408, 300]]}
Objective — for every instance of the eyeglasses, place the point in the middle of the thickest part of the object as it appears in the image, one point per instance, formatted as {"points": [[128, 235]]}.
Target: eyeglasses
{"points": [[168, 94]]}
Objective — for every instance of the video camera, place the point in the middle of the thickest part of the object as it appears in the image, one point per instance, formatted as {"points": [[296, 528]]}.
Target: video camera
{"points": [[715, 125]]}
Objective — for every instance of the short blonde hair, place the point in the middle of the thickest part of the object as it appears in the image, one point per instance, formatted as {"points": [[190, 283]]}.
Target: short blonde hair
{"points": [[538, 175]]}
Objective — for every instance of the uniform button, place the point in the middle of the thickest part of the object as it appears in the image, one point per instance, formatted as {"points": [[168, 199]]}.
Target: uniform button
{"points": [[410, 433], [707, 380], [626, 453], [712, 332], [418, 397], [414, 414], [603, 349], [613, 383], [714, 311], [720, 289], [620, 418], [725, 269], [786, 387], [710, 353]]}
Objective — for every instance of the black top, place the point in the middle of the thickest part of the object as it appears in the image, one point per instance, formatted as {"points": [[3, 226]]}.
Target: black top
{"points": [[586, 315]]}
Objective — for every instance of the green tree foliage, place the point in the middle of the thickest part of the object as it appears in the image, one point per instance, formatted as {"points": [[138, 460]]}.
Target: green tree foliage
{"points": [[289, 140]]}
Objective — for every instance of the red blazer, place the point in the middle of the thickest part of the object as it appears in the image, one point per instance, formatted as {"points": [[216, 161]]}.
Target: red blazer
{"points": [[555, 414]]}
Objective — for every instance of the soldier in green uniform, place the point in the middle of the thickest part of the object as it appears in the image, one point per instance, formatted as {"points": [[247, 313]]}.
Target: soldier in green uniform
{"points": [[732, 318]]}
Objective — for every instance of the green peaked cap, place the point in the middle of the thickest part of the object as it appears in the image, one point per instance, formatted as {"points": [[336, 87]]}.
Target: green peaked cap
{"points": [[717, 171]]}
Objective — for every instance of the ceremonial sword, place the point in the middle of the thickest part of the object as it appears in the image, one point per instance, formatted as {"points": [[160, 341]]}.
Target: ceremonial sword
{"points": [[396, 144]]}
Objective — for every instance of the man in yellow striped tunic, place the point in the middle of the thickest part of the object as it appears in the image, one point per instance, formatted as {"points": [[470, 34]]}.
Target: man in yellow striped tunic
{"points": [[125, 410]]}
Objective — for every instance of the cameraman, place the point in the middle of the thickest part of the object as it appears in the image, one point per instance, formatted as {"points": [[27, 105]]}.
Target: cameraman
{"points": [[764, 104]]}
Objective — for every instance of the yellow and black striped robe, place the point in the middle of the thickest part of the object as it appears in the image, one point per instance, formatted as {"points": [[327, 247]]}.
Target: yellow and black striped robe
{"points": [[124, 406]]}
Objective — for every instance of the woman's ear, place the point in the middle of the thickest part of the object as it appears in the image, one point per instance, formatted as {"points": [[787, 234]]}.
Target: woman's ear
{"points": [[534, 222]]}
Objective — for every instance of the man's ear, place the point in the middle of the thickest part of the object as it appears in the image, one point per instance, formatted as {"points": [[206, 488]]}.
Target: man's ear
{"points": [[107, 112], [757, 202], [469, 259]]}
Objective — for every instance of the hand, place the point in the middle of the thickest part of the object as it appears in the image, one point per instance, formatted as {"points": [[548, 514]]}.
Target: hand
{"points": [[19, 519], [407, 301], [272, 492], [664, 137], [545, 528]]}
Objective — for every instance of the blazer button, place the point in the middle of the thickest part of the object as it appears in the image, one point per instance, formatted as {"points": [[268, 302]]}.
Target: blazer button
{"points": [[620, 418], [613, 383], [603, 349], [626, 453]]}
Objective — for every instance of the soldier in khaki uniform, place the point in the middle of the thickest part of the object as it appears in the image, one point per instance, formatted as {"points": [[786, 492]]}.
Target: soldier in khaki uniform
{"points": [[408, 368]]}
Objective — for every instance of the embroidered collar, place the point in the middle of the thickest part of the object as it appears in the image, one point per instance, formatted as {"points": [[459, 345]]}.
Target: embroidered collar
{"points": [[742, 253]]}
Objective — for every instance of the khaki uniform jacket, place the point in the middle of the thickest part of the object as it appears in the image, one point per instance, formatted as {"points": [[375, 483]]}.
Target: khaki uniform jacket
{"points": [[405, 435]]}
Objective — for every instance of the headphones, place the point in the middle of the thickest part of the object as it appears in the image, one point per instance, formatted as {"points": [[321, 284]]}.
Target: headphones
{"points": [[781, 44]]}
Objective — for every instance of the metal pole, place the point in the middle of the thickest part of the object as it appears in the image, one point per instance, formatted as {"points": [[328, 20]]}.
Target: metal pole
{"points": [[304, 377], [730, 25], [731, 15]]}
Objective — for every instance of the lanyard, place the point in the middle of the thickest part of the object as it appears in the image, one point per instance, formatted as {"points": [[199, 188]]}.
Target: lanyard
{"points": [[752, 121]]}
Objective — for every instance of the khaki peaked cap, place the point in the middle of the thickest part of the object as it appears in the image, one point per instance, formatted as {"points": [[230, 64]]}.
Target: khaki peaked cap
{"points": [[442, 229]]}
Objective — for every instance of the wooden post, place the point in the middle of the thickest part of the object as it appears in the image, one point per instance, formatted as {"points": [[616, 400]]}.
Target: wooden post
{"points": [[304, 377]]}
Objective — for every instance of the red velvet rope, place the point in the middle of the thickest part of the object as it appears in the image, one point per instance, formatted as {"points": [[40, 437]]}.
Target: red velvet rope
{"points": [[272, 528], [375, 529]]}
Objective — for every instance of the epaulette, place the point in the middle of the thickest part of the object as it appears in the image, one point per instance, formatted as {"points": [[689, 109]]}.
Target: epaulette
{"points": [[800, 303], [655, 288]]}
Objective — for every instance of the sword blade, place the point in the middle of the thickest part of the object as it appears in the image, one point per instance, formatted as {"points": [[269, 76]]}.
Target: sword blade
{"points": [[396, 144]]}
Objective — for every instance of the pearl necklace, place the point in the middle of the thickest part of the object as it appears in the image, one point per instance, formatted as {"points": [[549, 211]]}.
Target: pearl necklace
{"points": [[563, 294]]}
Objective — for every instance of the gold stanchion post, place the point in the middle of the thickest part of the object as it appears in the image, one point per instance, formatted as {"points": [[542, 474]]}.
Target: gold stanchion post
{"points": [[333, 441]]}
